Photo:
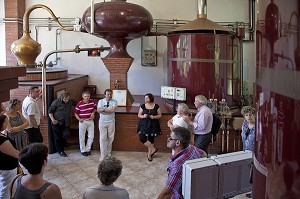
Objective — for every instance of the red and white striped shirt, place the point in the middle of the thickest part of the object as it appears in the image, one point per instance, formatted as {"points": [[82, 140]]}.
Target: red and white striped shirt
{"points": [[84, 110]]}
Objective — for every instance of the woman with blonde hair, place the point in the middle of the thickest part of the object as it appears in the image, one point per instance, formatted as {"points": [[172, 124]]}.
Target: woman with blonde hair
{"points": [[178, 120], [16, 123]]}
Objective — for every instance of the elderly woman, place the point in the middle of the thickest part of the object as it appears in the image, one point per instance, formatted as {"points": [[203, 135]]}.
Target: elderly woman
{"points": [[109, 170], [16, 123], [248, 129], [8, 159], [178, 121], [148, 127]]}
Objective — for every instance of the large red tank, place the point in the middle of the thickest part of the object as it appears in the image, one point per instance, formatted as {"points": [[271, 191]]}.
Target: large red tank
{"points": [[118, 22], [277, 145], [206, 64]]}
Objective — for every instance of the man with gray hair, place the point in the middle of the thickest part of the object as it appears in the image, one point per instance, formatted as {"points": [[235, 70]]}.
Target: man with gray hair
{"points": [[59, 113], [202, 123], [109, 170]]}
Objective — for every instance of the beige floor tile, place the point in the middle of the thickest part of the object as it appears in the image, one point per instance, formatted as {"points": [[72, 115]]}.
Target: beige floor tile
{"points": [[136, 194], [82, 185], [70, 192]]}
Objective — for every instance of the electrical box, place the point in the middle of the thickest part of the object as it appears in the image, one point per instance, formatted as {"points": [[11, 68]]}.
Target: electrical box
{"points": [[180, 94], [167, 92], [149, 58]]}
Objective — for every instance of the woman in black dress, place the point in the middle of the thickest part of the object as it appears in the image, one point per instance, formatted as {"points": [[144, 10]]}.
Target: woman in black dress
{"points": [[149, 127]]}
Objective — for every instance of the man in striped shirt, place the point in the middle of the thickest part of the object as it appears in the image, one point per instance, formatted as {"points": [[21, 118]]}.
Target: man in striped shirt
{"points": [[179, 141], [85, 114]]}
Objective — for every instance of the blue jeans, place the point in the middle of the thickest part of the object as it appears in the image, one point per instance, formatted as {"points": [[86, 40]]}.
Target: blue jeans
{"points": [[202, 141]]}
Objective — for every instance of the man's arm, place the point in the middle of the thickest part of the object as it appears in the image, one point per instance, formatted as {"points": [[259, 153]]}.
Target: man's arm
{"points": [[165, 194], [33, 121], [78, 118], [51, 110]]}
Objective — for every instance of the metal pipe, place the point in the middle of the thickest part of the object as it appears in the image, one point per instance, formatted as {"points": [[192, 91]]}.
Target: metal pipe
{"points": [[92, 17], [251, 19], [76, 50], [202, 9], [54, 63]]}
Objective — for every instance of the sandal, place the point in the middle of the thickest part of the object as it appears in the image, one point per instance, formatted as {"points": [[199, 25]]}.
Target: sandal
{"points": [[156, 149]]}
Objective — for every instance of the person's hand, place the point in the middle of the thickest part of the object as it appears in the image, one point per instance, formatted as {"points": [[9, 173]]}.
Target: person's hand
{"points": [[152, 117], [186, 119], [81, 120], [92, 116], [145, 115], [40, 94], [11, 130], [54, 121]]}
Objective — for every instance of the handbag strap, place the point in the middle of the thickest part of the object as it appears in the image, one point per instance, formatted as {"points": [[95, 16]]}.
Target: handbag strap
{"points": [[12, 184]]}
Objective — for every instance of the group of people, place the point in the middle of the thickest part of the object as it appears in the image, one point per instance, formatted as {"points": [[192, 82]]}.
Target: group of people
{"points": [[183, 128], [189, 139], [60, 111]]}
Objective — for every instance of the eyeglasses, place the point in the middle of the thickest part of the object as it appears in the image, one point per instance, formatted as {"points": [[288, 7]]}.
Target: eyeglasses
{"points": [[15, 101], [170, 138]]}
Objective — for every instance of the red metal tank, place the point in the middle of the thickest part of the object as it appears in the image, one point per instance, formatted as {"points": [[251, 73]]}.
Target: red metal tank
{"points": [[118, 22], [203, 58], [277, 143], [205, 64]]}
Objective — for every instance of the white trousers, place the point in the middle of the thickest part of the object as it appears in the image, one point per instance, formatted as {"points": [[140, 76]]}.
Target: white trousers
{"points": [[6, 176], [107, 135], [87, 125]]}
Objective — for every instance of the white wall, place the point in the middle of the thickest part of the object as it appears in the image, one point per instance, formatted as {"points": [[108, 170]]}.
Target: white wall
{"points": [[140, 79]]}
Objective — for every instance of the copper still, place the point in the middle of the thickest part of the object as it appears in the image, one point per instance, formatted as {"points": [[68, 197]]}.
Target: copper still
{"points": [[26, 49], [203, 58], [118, 22]]}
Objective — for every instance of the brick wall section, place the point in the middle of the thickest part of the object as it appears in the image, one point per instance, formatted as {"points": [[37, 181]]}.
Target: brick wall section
{"points": [[13, 30], [118, 68], [126, 138]]}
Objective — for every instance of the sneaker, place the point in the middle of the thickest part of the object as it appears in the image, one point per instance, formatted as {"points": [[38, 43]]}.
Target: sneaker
{"points": [[84, 153], [88, 153], [63, 154]]}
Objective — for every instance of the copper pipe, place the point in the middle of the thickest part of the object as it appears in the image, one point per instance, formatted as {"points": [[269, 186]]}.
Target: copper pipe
{"points": [[29, 10], [44, 78]]}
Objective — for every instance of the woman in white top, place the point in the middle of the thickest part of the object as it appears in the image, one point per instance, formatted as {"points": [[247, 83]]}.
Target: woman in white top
{"points": [[178, 121]]}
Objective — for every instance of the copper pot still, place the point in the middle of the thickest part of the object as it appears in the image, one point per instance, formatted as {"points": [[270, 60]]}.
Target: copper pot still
{"points": [[118, 22]]}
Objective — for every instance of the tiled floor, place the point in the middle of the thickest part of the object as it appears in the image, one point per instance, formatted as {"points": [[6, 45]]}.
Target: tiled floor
{"points": [[142, 179]]}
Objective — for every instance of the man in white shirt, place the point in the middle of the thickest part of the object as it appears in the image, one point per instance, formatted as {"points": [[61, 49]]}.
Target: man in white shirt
{"points": [[106, 107], [31, 112]]}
